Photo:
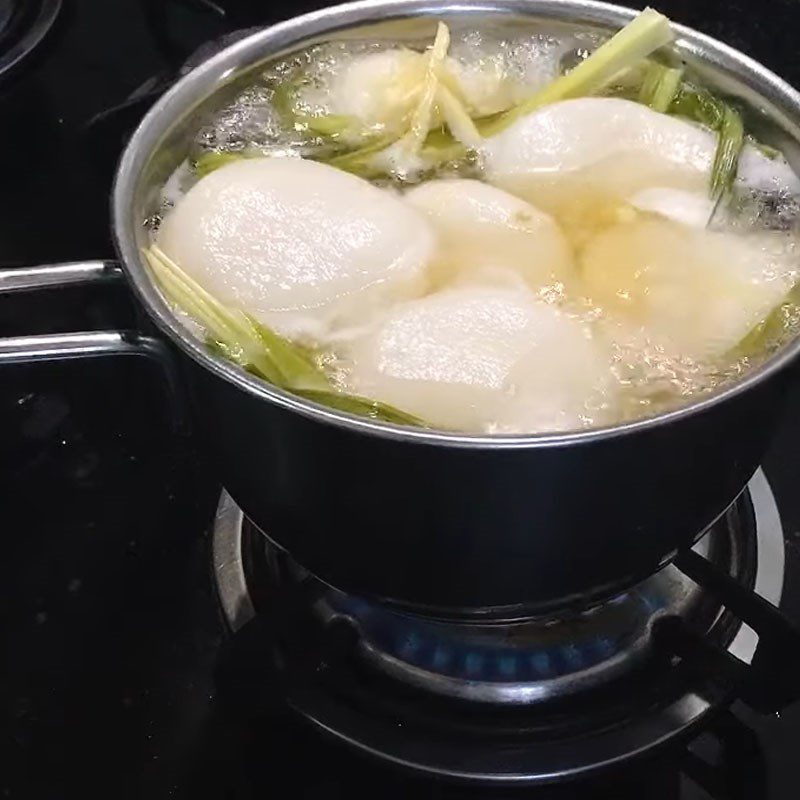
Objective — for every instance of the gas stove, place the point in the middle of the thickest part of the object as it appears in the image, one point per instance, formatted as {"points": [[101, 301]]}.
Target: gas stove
{"points": [[159, 644], [497, 700]]}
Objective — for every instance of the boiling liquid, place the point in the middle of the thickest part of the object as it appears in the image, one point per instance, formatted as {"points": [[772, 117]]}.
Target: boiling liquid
{"points": [[649, 378]]}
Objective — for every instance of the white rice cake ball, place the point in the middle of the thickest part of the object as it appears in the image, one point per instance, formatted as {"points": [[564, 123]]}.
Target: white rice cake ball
{"points": [[378, 89], [694, 209], [700, 292], [301, 246], [483, 359], [483, 228], [619, 145]]}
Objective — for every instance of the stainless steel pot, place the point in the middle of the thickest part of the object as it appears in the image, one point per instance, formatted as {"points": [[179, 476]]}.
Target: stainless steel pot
{"points": [[448, 522]]}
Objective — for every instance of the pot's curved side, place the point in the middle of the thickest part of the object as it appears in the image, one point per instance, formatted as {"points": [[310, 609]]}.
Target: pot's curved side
{"points": [[453, 529]]}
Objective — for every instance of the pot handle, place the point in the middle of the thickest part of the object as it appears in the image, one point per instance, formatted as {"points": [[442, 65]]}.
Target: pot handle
{"points": [[48, 276], [85, 344]]}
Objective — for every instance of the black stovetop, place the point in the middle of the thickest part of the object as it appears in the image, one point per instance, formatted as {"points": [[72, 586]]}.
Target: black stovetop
{"points": [[110, 623]]}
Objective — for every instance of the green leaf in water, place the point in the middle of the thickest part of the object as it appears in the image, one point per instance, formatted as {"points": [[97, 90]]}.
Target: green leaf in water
{"points": [[212, 160], [296, 363], [284, 97], [362, 407], [231, 329], [660, 86], [638, 39], [703, 107], [441, 147], [252, 345], [726, 158], [330, 125], [327, 126], [231, 353], [698, 105], [361, 161], [768, 333]]}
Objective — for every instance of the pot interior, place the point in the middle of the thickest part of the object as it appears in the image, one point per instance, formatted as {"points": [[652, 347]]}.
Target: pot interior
{"points": [[166, 136]]}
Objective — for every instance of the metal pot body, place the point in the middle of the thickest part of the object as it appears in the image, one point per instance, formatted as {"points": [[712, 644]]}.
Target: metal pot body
{"points": [[443, 521], [455, 529]]}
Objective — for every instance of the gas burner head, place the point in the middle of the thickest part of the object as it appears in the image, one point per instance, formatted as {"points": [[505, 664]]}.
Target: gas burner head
{"points": [[514, 701], [528, 660], [23, 25]]}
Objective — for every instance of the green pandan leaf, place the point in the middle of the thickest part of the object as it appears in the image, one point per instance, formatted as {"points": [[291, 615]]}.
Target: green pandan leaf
{"points": [[284, 101], [660, 86], [254, 346], [441, 147], [362, 407], [769, 332], [698, 105], [296, 363], [704, 108], [208, 162], [726, 158], [638, 39], [361, 161]]}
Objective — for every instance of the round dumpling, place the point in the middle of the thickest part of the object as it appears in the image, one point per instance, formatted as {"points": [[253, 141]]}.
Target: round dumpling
{"points": [[379, 89], [617, 145], [573, 134], [299, 245], [483, 228], [694, 209], [697, 292], [476, 358]]}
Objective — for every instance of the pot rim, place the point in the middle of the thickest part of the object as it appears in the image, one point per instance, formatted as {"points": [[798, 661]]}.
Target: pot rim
{"points": [[208, 77]]}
